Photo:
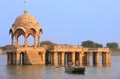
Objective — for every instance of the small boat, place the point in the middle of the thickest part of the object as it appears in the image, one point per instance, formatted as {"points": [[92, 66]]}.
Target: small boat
{"points": [[77, 70]]}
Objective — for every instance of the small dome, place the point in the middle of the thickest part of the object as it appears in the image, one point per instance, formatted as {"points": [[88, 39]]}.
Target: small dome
{"points": [[26, 20], [27, 23]]}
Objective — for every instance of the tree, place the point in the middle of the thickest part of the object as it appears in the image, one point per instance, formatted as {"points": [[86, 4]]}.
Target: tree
{"points": [[113, 46], [88, 43], [91, 44], [98, 45], [47, 42]]}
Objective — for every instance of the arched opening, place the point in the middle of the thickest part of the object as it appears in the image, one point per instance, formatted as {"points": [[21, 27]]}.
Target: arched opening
{"points": [[21, 40], [47, 56], [22, 62], [103, 58], [30, 40], [18, 33], [68, 57], [59, 55], [41, 56]]}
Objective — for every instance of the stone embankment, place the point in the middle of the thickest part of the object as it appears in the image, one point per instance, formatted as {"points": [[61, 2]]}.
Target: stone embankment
{"points": [[2, 52]]}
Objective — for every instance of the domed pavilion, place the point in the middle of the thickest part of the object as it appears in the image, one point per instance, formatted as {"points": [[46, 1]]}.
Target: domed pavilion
{"points": [[25, 25]]}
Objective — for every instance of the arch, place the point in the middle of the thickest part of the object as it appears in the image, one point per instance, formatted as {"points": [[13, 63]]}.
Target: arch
{"points": [[30, 40], [19, 31], [21, 40], [41, 55], [41, 31], [32, 32], [10, 31], [20, 28]]}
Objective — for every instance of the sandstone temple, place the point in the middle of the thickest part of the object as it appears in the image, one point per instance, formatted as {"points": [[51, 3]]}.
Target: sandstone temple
{"points": [[27, 25]]}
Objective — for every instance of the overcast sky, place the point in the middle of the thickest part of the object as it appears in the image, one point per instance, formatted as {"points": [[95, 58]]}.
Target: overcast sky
{"points": [[66, 21]]}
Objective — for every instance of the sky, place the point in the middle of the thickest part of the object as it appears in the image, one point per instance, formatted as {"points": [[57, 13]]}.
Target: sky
{"points": [[66, 21]]}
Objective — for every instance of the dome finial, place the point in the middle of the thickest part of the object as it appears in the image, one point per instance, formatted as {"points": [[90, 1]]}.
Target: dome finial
{"points": [[25, 11], [24, 4]]}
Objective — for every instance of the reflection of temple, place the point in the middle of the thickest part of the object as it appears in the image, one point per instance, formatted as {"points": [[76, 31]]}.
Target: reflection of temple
{"points": [[27, 25]]}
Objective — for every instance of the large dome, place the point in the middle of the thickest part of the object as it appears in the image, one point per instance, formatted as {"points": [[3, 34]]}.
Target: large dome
{"points": [[26, 22]]}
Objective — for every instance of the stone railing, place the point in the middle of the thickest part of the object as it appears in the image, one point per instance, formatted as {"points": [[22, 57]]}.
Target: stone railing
{"points": [[99, 49], [67, 46]]}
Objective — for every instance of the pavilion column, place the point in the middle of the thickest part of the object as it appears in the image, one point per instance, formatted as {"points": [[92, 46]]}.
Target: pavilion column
{"points": [[26, 41], [55, 58], [81, 58], [35, 42], [63, 58], [8, 59], [17, 58], [96, 58], [43, 58], [14, 58], [38, 40], [73, 58], [16, 41], [12, 40]]}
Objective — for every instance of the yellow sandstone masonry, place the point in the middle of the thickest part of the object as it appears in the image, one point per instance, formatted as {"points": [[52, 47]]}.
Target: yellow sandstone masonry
{"points": [[27, 25]]}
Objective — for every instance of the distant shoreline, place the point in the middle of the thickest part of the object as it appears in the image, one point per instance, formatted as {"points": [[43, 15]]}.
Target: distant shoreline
{"points": [[115, 54]]}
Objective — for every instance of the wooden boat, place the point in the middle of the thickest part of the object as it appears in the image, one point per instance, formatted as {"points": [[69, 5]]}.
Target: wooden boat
{"points": [[78, 70]]}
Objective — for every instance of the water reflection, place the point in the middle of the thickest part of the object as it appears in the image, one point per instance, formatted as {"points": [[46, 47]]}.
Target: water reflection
{"points": [[50, 72]]}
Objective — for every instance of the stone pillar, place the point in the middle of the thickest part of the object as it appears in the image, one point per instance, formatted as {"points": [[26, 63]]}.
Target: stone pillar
{"points": [[13, 58], [26, 41], [35, 42], [59, 59], [17, 58], [38, 40], [73, 58], [12, 39], [16, 41], [106, 59], [87, 59], [63, 58], [96, 58], [109, 58], [8, 59], [103, 58], [43, 57], [51, 59], [81, 58], [55, 58]]}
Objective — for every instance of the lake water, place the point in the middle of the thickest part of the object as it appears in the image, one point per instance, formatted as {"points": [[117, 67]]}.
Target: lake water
{"points": [[49, 72]]}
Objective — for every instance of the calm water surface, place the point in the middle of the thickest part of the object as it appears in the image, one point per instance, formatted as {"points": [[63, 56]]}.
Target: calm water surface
{"points": [[49, 72]]}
